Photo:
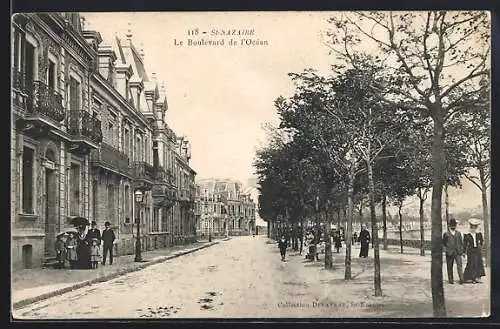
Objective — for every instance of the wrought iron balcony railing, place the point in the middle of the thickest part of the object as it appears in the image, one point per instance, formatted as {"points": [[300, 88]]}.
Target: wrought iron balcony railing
{"points": [[143, 171], [41, 99], [81, 123], [111, 156]]}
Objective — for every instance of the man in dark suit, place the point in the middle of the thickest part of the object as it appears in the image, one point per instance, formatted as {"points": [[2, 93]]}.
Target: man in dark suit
{"points": [[453, 245], [108, 238], [364, 239], [93, 233]]}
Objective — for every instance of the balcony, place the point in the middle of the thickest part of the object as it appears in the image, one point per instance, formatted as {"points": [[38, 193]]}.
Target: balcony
{"points": [[163, 191], [40, 107], [110, 157], [144, 175], [84, 130]]}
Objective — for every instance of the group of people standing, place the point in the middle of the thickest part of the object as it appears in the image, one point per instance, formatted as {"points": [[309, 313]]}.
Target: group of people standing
{"points": [[82, 247], [469, 245]]}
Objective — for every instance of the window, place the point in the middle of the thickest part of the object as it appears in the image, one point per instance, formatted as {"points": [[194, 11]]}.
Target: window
{"points": [[164, 221], [74, 94], [29, 62], [126, 202], [51, 75], [110, 133], [155, 227], [126, 142], [111, 204], [27, 180], [74, 186]]}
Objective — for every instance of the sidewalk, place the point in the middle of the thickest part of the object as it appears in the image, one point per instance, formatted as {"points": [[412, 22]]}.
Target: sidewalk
{"points": [[406, 286], [32, 285]]}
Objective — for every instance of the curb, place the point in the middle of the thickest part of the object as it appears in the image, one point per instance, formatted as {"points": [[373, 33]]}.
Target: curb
{"points": [[32, 300]]}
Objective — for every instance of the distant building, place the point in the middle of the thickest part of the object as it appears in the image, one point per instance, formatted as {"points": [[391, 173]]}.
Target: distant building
{"points": [[224, 208]]}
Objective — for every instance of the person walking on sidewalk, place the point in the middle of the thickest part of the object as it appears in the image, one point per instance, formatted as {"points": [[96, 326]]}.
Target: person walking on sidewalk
{"points": [[453, 245], [473, 243], [282, 245], [95, 253], [108, 239], [71, 254], [364, 239]]}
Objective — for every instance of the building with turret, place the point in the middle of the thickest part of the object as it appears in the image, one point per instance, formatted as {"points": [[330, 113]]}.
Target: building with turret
{"points": [[88, 131]]}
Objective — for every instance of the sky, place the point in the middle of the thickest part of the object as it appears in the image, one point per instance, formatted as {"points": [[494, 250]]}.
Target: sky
{"points": [[220, 96]]}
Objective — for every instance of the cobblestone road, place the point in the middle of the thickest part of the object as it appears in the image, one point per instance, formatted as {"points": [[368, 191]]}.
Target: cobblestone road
{"points": [[244, 278]]}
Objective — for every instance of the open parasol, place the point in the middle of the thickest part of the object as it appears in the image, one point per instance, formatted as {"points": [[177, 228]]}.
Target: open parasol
{"points": [[80, 221]]}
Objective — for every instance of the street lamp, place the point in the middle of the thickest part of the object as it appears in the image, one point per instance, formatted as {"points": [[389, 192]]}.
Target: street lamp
{"points": [[139, 196]]}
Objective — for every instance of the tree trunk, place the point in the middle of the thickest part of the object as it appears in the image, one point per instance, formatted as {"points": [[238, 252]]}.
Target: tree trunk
{"points": [[328, 243], [384, 219], [301, 234], [339, 217], [400, 225], [438, 172], [373, 216], [486, 216], [360, 212], [421, 215], [268, 229], [447, 204], [350, 210]]}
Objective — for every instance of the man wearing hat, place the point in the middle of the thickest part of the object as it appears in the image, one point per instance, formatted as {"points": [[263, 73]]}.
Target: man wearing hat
{"points": [[453, 245], [108, 238], [94, 233]]}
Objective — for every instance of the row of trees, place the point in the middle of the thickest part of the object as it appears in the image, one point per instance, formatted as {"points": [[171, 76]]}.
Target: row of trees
{"points": [[409, 116]]}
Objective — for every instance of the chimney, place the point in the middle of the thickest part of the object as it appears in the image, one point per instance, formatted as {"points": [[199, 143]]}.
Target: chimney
{"points": [[107, 58]]}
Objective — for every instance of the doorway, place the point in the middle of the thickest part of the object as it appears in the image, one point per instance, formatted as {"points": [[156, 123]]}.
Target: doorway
{"points": [[27, 256], [50, 212]]}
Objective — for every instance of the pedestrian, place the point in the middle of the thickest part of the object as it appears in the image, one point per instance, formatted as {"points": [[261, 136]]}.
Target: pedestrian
{"points": [[282, 245], [83, 248], [453, 245], [338, 241], [108, 239], [473, 243], [94, 233], [364, 239], [60, 251], [354, 238], [71, 254], [95, 253]]}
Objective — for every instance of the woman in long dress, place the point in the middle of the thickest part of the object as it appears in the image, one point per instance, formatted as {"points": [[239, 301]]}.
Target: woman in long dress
{"points": [[83, 248], [473, 243]]}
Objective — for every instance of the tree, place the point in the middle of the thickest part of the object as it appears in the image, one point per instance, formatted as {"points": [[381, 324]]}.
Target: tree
{"points": [[435, 60], [477, 144]]}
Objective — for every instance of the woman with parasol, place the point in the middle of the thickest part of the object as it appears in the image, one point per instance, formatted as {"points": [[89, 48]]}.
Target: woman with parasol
{"points": [[82, 248]]}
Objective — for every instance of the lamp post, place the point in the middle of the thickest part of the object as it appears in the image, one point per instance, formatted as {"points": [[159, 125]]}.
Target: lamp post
{"points": [[138, 200]]}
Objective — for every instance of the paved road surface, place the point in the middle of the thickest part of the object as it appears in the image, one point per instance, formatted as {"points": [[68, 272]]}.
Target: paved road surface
{"points": [[244, 278]]}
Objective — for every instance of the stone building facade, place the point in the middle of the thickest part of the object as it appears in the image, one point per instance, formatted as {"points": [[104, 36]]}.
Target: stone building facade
{"points": [[86, 119], [223, 208]]}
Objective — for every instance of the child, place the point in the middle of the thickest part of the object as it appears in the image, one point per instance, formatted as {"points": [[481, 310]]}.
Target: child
{"points": [[95, 253], [60, 251], [71, 250]]}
